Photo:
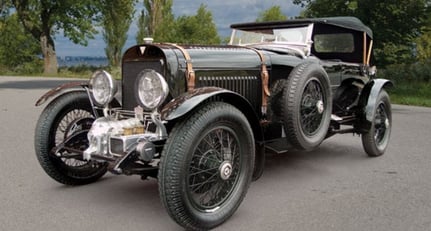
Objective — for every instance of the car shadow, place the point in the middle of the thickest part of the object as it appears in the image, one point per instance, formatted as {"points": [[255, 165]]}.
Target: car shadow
{"points": [[313, 162]]}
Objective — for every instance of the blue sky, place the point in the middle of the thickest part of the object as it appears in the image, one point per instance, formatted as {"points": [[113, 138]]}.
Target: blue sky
{"points": [[224, 14]]}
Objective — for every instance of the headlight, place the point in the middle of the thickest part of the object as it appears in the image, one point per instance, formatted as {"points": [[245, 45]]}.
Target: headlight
{"points": [[152, 89], [103, 88]]}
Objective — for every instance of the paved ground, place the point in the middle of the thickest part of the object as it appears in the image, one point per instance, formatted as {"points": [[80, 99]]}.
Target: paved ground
{"points": [[333, 188]]}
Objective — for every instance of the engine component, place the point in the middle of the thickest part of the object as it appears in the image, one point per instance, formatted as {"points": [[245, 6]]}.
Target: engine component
{"points": [[146, 150], [102, 129]]}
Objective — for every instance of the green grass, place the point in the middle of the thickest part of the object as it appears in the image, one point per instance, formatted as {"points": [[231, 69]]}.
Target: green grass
{"points": [[412, 93]]}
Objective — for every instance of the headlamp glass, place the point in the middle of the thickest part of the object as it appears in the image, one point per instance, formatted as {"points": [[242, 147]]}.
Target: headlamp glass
{"points": [[103, 88], [152, 89]]}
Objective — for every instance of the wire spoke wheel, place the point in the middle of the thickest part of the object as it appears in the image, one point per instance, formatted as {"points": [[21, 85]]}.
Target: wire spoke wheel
{"points": [[61, 137], [376, 140], [72, 123], [214, 168], [381, 124], [206, 166], [312, 108]]}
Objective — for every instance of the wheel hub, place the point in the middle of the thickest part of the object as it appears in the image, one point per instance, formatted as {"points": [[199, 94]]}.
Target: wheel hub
{"points": [[387, 123], [320, 107], [225, 170]]}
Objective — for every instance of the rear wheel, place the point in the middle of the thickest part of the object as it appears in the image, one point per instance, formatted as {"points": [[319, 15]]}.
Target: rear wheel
{"points": [[61, 137], [206, 166], [376, 140]]}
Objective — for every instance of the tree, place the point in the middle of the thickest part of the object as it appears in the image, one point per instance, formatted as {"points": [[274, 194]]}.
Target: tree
{"points": [[17, 48], [395, 23], [4, 8], [115, 20], [197, 29], [423, 43], [156, 21], [272, 14], [424, 46], [143, 30], [43, 19]]}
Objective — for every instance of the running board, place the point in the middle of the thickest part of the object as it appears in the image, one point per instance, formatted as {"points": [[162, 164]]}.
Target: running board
{"points": [[278, 146]]}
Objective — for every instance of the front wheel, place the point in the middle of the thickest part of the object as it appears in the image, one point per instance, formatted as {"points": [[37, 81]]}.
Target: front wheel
{"points": [[61, 137], [376, 140], [206, 166]]}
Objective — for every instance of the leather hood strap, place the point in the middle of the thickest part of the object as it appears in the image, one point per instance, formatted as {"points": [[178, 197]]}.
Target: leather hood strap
{"points": [[190, 73], [265, 80]]}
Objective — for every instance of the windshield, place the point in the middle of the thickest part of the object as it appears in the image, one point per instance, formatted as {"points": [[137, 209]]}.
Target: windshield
{"points": [[295, 35]]}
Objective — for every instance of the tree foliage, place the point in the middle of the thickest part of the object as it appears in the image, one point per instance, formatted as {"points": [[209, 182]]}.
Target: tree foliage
{"points": [[18, 49], [395, 23], [115, 20], [156, 21], [197, 29], [272, 14], [4, 8], [143, 30], [423, 43], [43, 19]]}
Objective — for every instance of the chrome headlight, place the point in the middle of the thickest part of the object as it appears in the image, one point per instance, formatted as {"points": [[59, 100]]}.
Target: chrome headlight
{"points": [[103, 88], [152, 89]]}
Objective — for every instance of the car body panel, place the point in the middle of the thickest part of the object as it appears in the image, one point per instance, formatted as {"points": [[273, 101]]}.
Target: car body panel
{"points": [[368, 102]]}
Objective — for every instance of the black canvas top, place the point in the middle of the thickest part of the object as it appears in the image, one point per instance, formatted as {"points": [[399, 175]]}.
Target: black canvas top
{"points": [[345, 22]]}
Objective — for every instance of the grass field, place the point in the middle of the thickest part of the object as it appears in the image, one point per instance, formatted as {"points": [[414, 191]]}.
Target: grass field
{"points": [[418, 94]]}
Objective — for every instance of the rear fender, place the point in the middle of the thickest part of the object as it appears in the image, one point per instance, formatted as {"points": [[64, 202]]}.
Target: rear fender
{"points": [[368, 102]]}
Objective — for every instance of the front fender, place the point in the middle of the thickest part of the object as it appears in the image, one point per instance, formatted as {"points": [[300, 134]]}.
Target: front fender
{"points": [[189, 100], [185, 103], [67, 87], [368, 101]]}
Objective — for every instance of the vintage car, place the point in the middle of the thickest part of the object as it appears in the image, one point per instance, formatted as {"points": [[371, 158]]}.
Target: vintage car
{"points": [[200, 119]]}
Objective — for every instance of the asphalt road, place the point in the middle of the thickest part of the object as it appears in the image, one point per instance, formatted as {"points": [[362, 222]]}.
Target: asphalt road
{"points": [[336, 187]]}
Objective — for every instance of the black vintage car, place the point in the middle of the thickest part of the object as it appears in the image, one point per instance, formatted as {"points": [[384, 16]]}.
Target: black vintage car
{"points": [[201, 118]]}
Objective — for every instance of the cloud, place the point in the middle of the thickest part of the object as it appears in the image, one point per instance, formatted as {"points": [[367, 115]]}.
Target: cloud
{"points": [[224, 14]]}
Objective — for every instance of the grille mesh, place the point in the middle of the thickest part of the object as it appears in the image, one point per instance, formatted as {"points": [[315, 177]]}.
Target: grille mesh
{"points": [[130, 74], [247, 86]]}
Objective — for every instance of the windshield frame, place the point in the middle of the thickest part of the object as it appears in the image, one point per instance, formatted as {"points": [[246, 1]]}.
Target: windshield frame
{"points": [[304, 45]]}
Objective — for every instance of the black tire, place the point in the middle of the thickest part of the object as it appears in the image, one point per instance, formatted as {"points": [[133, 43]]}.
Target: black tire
{"points": [[306, 106], [259, 162], [69, 114], [376, 140], [206, 166]]}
